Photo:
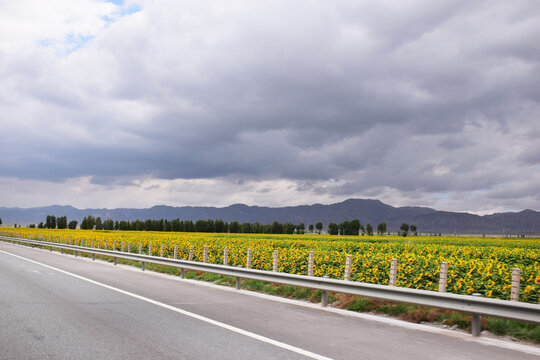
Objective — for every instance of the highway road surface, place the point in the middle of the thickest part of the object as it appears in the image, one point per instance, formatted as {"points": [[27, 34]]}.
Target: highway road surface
{"points": [[55, 306]]}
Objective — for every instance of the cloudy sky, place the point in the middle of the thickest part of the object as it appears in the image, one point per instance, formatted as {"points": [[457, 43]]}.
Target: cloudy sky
{"points": [[135, 103]]}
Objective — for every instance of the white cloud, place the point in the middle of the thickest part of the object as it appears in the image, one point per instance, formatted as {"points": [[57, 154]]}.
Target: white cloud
{"points": [[313, 101]]}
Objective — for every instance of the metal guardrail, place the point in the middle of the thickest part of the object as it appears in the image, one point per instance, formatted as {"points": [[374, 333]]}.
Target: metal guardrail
{"points": [[464, 303]]}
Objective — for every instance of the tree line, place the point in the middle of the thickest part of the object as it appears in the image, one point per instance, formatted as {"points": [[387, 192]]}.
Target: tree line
{"points": [[353, 227], [52, 222]]}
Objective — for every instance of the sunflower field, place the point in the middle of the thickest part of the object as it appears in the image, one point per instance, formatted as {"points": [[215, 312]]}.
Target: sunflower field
{"points": [[475, 265]]}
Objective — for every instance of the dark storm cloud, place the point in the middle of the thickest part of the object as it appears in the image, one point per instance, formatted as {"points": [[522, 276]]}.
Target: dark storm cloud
{"points": [[414, 96]]}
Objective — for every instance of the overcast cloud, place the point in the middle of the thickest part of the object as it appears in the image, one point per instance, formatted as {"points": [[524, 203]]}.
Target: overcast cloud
{"points": [[136, 103]]}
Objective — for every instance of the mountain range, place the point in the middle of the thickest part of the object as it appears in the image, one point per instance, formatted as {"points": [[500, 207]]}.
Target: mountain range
{"points": [[427, 220]]}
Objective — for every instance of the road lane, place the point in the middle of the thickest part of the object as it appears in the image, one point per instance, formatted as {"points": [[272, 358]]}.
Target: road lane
{"points": [[47, 314], [321, 332]]}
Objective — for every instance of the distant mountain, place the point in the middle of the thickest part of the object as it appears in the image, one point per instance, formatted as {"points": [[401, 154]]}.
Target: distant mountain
{"points": [[367, 211]]}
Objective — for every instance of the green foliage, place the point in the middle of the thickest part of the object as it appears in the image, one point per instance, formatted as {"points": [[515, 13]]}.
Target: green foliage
{"points": [[514, 328], [381, 228], [369, 229], [61, 222], [319, 227], [404, 229], [333, 229], [359, 305], [50, 223]]}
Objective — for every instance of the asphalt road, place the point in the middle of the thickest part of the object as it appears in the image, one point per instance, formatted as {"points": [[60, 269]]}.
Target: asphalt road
{"points": [[55, 306]]}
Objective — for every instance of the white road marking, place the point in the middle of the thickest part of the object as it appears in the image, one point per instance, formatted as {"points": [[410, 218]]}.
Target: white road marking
{"points": [[183, 312]]}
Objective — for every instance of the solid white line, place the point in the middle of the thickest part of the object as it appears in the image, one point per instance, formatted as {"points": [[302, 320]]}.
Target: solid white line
{"points": [[184, 312]]}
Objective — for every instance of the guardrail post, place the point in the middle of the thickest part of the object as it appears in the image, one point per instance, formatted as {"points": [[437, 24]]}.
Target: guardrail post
{"points": [[476, 321], [348, 262], [393, 272], [275, 261], [93, 257], [226, 256], [310, 263], [183, 273], [324, 295], [443, 277], [175, 252], [114, 245], [190, 258], [150, 249], [140, 248], [115, 260], [129, 247], [248, 260], [76, 253], [161, 250], [205, 254], [238, 281], [514, 293], [122, 247], [142, 265]]}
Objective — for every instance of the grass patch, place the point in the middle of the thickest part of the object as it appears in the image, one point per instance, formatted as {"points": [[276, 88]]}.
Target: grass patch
{"points": [[301, 293], [359, 305], [516, 329]]}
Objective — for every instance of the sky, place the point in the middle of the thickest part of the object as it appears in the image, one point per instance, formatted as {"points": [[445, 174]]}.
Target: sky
{"points": [[135, 103]]}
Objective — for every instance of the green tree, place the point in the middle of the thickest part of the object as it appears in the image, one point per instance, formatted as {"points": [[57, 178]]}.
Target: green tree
{"points": [[99, 224], [300, 228], [40, 225], [404, 229], [333, 229], [88, 223], [277, 228], [246, 228], [0, 221], [234, 227], [218, 224], [61, 222], [319, 227], [413, 229], [355, 227], [108, 224], [50, 222], [310, 227], [369, 229], [72, 224], [381, 228], [200, 226], [288, 228]]}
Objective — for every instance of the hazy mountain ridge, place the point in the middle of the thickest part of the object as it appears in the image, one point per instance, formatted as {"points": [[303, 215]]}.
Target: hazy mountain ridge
{"points": [[367, 211]]}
